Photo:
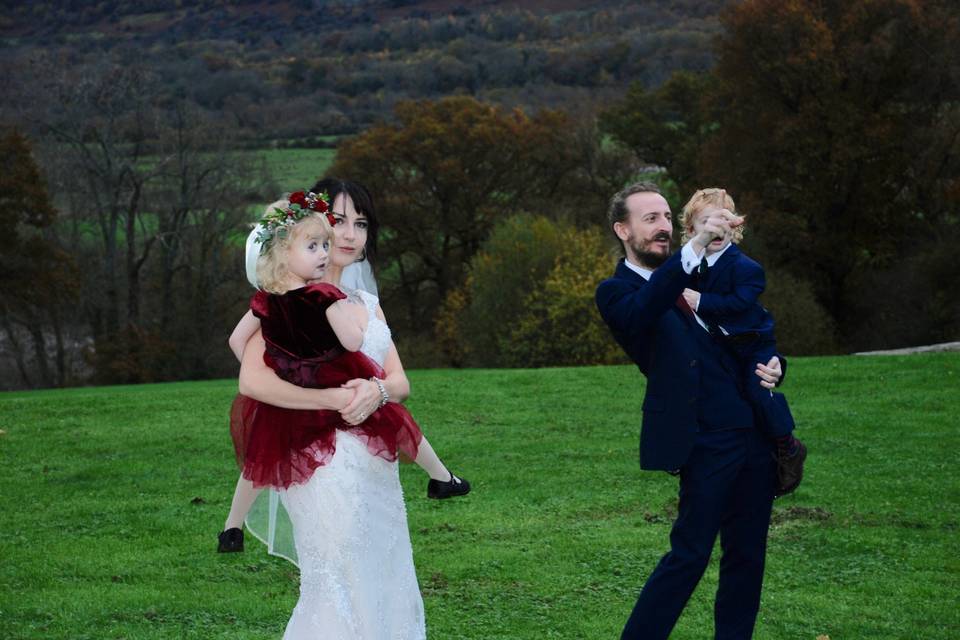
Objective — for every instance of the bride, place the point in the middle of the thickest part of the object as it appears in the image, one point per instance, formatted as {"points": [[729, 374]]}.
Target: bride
{"points": [[349, 524]]}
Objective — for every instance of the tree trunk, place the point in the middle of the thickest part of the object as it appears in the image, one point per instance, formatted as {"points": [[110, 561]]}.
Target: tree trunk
{"points": [[17, 351], [61, 358], [133, 265], [40, 351]]}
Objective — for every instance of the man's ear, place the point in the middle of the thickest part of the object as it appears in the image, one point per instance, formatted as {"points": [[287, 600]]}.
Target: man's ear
{"points": [[622, 231]]}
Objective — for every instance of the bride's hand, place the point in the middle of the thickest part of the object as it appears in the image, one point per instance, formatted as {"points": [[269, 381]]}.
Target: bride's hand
{"points": [[366, 400]]}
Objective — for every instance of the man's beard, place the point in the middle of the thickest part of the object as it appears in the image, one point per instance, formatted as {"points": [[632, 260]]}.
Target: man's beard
{"points": [[649, 258]]}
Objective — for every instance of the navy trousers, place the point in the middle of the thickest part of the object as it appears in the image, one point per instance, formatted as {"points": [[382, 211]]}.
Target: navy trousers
{"points": [[726, 487]]}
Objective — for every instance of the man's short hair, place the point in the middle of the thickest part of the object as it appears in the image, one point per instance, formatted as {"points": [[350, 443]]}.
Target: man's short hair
{"points": [[617, 212]]}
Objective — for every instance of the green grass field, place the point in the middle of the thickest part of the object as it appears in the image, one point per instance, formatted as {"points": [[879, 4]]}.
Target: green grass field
{"points": [[112, 498], [296, 169]]}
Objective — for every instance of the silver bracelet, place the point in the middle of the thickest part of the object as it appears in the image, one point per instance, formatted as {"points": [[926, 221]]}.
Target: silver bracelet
{"points": [[384, 396]]}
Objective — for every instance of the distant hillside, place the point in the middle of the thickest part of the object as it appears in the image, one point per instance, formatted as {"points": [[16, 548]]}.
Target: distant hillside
{"points": [[295, 69]]}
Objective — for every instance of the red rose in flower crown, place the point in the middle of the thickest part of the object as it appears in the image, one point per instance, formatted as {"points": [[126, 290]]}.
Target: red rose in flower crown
{"points": [[318, 203], [310, 200]]}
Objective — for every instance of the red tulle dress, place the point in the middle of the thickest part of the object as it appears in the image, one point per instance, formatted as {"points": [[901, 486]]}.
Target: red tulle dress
{"points": [[278, 447]]}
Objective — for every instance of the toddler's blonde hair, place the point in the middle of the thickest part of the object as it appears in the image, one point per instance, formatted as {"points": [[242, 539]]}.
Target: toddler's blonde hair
{"points": [[703, 199], [272, 269]]}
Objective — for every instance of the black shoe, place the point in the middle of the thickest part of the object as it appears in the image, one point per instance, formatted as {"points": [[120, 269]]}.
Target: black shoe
{"points": [[230, 541], [455, 486], [790, 469]]}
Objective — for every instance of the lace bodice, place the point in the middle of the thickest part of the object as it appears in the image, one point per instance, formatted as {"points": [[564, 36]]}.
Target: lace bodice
{"points": [[377, 337]]}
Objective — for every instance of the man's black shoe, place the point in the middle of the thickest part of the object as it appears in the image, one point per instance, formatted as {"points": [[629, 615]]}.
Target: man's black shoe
{"points": [[790, 469], [455, 486], [230, 541]]}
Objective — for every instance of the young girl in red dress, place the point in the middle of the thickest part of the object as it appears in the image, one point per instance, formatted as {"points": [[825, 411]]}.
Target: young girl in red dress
{"points": [[312, 340]]}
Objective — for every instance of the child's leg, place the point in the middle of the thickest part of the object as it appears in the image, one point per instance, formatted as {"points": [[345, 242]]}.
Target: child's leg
{"points": [[443, 484], [428, 460], [243, 497], [775, 421]]}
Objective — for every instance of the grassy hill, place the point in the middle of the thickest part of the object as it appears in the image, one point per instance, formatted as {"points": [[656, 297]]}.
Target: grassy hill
{"points": [[295, 169], [112, 498]]}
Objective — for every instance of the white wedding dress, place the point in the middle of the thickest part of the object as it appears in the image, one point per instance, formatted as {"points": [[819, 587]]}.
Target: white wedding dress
{"points": [[357, 578]]}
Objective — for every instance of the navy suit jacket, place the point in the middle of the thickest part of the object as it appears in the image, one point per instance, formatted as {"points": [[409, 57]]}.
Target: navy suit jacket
{"points": [[729, 293], [692, 382]]}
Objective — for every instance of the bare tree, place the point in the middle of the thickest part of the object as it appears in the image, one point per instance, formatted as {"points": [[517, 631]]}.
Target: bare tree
{"points": [[153, 201]]}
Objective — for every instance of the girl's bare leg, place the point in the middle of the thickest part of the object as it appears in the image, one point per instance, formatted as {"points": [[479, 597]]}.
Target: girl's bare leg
{"points": [[243, 497], [428, 460], [443, 484]]}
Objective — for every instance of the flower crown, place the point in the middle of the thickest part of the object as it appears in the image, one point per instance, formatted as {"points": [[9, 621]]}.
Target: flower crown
{"points": [[275, 223]]}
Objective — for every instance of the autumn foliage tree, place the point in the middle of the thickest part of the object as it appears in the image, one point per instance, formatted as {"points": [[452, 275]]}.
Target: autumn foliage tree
{"points": [[665, 127], [838, 126], [39, 277], [444, 172]]}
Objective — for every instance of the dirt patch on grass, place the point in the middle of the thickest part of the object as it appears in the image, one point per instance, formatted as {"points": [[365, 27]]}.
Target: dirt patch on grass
{"points": [[797, 513]]}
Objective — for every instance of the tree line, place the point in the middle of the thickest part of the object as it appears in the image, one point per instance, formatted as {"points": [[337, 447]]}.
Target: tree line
{"points": [[144, 204], [297, 69], [835, 128]]}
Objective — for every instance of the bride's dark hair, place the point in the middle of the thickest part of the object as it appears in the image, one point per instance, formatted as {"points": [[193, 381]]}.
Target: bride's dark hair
{"points": [[362, 202]]}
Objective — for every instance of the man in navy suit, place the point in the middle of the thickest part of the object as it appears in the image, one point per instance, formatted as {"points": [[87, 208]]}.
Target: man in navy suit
{"points": [[696, 420]]}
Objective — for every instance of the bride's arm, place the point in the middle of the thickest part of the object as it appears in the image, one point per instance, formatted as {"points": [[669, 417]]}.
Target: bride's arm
{"points": [[260, 382], [368, 397], [395, 382]]}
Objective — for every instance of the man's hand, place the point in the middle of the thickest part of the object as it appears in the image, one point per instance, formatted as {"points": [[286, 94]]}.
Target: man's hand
{"points": [[770, 373], [692, 297], [718, 224]]}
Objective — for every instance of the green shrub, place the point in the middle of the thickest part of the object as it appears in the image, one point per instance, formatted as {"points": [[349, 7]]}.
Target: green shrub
{"points": [[803, 325], [514, 261], [528, 299], [559, 324]]}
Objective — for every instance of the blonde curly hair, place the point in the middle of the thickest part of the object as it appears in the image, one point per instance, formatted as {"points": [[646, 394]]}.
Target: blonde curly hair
{"points": [[272, 269], [703, 199]]}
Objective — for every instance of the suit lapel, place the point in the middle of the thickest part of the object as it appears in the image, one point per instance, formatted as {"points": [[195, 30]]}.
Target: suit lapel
{"points": [[624, 272]]}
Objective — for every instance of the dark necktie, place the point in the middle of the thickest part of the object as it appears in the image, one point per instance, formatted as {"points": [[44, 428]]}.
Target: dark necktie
{"points": [[702, 269]]}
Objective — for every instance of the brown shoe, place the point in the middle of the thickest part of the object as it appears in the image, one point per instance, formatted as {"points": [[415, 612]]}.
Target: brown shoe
{"points": [[789, 470]]}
